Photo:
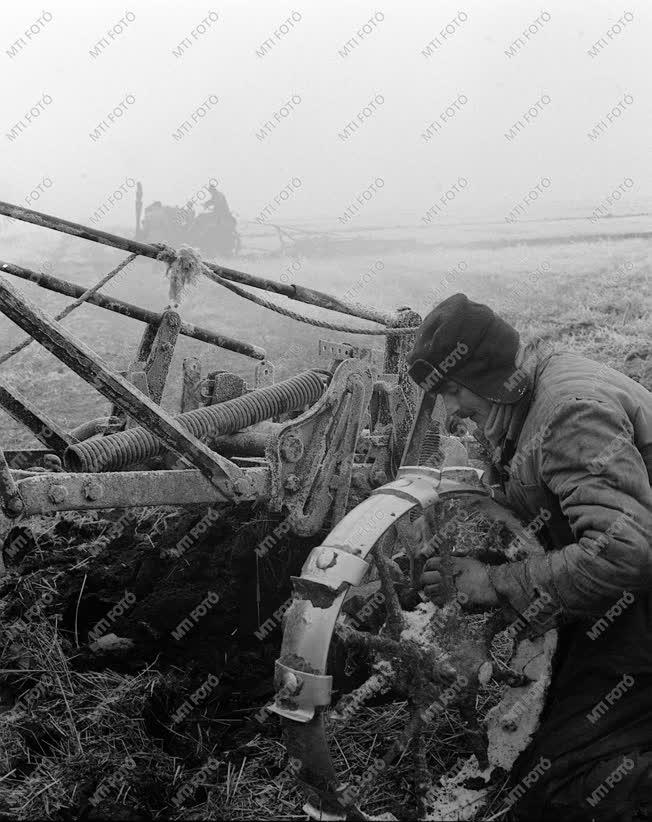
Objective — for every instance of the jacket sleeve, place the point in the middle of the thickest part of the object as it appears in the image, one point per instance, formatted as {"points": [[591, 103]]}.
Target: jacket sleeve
{"points": [[590, 462]]}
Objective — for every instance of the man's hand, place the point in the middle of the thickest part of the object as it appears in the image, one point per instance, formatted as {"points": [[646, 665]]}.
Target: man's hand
{"points": [[471, 578]]}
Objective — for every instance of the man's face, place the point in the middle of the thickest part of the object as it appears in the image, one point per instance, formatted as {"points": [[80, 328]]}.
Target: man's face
{"points": [[464, 404]]}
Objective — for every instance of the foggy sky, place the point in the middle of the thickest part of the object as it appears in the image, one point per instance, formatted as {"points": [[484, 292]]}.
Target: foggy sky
{"points": [[306, 62]]}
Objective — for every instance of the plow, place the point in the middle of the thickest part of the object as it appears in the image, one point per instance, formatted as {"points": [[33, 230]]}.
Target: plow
{"points": [[347, 452]]}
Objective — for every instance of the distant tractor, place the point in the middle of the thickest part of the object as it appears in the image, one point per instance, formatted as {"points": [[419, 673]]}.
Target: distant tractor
{"points": [[213, 232]]}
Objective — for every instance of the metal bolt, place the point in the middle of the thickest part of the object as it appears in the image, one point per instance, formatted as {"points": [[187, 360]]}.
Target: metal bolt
{"points": [[51, 462], [57, 493], [291, 448], [290, 683], [292, 484], [92, 490], [15, 505], [241, 486], [325, 558]]}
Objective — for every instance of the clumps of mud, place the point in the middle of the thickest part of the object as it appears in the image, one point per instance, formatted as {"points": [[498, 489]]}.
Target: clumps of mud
{"points": [[132, 663]]}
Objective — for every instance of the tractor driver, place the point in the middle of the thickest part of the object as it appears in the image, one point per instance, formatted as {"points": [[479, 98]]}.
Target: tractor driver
{"points": [[574, 438], [219, 206]]}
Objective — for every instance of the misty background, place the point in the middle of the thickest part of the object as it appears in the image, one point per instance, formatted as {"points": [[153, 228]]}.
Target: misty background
{"points": [[307, 61]]}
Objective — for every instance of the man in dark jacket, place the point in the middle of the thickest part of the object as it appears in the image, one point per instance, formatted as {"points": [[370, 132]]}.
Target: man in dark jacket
{"points": [[573, 448]]}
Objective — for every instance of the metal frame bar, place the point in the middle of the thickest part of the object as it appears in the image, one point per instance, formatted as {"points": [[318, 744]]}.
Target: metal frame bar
{"points": [[84, 362], [132, 311], [46, 493]]}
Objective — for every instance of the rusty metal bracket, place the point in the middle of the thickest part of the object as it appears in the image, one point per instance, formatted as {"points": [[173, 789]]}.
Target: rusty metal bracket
{"points": [[191, 384], [149, 371], [332, 566], [11, 500], [221, 386], [311, 459], [389, 425], [161, 353], [340, 351], [84, 362], [299, 692]]}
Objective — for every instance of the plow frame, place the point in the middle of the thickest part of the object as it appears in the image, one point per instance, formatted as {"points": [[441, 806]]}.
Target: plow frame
{"points": [[196, 473]]}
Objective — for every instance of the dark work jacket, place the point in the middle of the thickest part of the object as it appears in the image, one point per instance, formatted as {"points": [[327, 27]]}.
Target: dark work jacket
{"points": [[581, 470]]}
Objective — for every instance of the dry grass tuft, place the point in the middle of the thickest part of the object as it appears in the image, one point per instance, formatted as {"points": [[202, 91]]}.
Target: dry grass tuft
{"points": [[68, 730]]}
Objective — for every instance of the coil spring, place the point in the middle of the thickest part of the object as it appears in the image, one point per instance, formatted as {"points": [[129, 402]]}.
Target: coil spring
{"points": [[137, 444], [429, 453]]}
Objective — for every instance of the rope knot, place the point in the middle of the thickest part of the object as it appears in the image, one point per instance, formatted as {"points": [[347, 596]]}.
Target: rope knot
{"points": [[166, 253], [184, 269]]}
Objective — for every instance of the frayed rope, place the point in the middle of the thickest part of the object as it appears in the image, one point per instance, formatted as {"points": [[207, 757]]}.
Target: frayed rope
{"points": [[185, 265]]}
